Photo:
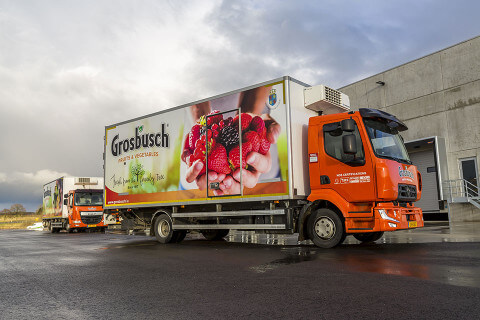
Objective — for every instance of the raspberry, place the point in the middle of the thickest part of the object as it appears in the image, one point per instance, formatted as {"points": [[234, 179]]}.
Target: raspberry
{"points": [[217, 159], [214, 118], [258, 125], [234, 156], [264, 146], [229, 137], [252, 136], [246, 119], [193, 136]]}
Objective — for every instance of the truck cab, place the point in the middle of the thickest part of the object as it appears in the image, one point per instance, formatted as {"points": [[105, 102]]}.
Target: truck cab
{"points": [[358, 165], [85, 209]]}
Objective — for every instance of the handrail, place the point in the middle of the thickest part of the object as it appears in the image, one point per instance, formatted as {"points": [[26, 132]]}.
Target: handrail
{"points": [[460, 188]]}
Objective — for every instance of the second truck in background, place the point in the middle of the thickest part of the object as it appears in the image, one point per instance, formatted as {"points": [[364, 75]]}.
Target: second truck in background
{"points": [[74, 203]]}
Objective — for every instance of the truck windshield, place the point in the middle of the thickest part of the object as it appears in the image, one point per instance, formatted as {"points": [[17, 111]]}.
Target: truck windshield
{"points": [[88, 199], [386, 141]]}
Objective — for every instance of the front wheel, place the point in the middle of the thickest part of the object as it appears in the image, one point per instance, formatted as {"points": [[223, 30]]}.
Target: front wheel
{"points": [[326, 228], [368, 237], [163, 228]]}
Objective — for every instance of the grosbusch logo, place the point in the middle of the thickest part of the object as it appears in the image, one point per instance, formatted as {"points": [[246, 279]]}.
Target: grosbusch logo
{"points": [[405, 173], [160, 139]]}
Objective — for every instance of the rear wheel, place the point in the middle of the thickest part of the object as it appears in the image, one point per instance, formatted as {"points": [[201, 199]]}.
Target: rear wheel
{"points": [[368, 237], [163, 228], [326, 228], [213, 235]]}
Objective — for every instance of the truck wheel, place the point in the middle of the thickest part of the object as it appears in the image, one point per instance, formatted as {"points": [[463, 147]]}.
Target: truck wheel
{"points": [[178, 236], [163, 228], [368, 237], [326, 228], [213, 235]]}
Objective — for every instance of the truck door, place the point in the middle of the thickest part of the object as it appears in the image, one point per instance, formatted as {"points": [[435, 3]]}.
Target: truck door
{"points": [[226, 140], [351, 175]]}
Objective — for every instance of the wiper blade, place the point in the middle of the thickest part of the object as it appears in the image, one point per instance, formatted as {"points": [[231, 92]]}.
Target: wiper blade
{"points": [[398, 159]]}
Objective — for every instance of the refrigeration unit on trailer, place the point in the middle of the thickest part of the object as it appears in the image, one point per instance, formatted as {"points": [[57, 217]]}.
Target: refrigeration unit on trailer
{"points": [[73, 203], [277, 157]]}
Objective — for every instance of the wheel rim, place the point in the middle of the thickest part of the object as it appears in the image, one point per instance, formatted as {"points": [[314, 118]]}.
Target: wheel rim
{"points": [[325, 228], [163, 228]]}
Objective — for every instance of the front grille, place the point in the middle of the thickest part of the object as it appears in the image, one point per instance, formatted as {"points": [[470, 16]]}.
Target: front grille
{"points": [[92, 219], [407, 192]]}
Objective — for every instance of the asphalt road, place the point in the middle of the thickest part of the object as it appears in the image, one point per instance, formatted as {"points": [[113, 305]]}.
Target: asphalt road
{"points": [[115, 276]]}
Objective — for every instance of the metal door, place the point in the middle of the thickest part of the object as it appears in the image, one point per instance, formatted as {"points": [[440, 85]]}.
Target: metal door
{"points": [[469, 173]]}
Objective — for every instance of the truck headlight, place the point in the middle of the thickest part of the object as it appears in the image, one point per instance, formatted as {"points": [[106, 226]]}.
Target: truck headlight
{"points": [[384, 215]]}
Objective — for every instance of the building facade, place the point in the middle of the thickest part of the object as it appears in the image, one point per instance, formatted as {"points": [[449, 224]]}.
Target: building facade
{"points": [[438, 98]]}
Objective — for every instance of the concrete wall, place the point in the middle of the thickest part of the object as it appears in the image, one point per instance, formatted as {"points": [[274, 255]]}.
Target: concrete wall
{"points": [[437, 95]]}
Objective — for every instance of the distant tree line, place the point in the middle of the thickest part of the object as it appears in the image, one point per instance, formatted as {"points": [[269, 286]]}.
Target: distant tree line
{"points": [[18, 208]]}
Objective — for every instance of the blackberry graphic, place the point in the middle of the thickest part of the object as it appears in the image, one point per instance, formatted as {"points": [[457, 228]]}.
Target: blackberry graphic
{"points": [[229, 137]]}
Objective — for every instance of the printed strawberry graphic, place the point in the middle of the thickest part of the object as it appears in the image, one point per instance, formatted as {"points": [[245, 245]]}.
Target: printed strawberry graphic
{"points": [[246, 119], [234, 156], [193, 136], [264, 146], [218, 160], [252, 136], [258, 125]]}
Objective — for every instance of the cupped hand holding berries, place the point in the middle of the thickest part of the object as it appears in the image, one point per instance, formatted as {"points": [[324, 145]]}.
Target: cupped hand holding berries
{"points": [[258, 134], [217, 140]]}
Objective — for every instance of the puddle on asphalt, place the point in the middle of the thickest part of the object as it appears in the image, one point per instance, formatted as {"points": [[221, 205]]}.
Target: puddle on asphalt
{"points": [[294, 255]]}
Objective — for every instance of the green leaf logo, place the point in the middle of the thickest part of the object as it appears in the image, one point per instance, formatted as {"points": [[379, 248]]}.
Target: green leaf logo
{"points": [[140, 129]]}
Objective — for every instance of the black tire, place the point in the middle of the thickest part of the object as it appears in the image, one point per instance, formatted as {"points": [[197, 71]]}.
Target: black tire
{"points": [[368, 237], [214, 235], [325, 228], [179, 235], [163, 228]]}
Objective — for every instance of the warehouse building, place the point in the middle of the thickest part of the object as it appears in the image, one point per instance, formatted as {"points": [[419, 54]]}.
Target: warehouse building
{"points": [[438, 98]]}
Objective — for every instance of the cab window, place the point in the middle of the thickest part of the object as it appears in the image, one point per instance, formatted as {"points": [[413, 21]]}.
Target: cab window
{"points": [[332, 137]]}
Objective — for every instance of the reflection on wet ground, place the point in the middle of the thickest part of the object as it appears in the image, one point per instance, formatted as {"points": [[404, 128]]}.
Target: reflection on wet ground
{"points": [[433, 232], [418, 260]]}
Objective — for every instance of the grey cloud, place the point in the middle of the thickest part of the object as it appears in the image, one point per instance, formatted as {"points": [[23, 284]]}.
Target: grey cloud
{"points": [[73, 67]]}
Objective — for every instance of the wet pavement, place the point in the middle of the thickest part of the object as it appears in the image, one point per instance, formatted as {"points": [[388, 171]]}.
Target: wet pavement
{"points": [[433, 272]]}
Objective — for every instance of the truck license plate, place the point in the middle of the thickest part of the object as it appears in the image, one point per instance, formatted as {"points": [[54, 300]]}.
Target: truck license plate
{"points": [[412, 224], [94, 225]]}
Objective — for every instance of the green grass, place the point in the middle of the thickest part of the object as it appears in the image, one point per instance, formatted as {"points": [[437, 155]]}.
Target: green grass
{"points": [[18, 221]]}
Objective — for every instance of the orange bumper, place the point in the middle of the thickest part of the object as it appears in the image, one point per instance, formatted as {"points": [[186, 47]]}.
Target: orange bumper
{"points": [[391, 218], [387, 217]]}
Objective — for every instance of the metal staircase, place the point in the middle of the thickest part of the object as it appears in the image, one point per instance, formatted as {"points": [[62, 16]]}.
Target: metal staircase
{"points": [[462, 191]]}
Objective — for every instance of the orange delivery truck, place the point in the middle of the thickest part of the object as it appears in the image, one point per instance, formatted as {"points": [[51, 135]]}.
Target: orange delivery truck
{"points": [[277, 157], [74, 203]]}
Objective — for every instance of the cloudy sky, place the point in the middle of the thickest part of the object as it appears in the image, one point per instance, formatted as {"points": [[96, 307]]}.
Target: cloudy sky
{"points": [[69, 68]]}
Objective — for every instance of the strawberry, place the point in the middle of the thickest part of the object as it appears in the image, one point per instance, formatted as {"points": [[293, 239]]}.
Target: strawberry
{"points": [[252, 136], [218, 160], [193, 136], [264, 146], [234, 155], [258, 125], [246, 119]]}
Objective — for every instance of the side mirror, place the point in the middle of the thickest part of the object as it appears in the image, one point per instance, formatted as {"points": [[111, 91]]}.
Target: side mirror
{"points": [[65, 201], [348, 125], [349, 143]]}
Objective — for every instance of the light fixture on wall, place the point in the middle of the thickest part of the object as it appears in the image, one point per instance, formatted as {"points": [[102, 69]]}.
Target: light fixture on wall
{"points": [[380, 83]]}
